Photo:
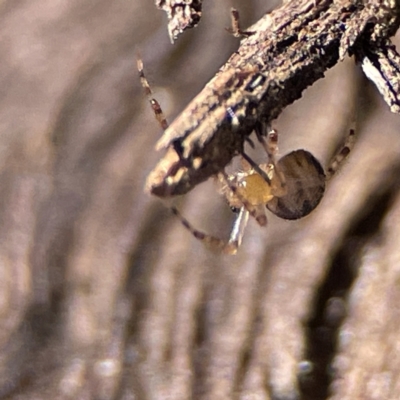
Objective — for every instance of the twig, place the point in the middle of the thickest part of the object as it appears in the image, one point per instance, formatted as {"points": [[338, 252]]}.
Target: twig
{"points": [[290, 49]]}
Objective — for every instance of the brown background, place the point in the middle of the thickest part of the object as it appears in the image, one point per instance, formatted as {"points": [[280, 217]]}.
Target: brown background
{"points": [[104, 295]]}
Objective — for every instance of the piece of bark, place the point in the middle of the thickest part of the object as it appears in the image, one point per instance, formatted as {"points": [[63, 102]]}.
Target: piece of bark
{"points": [[182, 15]]}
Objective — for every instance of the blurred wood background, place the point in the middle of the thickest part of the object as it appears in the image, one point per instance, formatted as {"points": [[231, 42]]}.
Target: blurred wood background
{"points": [[104, 295]]}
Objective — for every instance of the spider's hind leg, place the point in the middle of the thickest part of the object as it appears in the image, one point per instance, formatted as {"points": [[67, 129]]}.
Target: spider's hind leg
{"points": [[342, 154]]}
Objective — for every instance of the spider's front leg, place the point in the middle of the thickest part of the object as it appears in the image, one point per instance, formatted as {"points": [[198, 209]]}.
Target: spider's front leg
{"points": [[214, 243], [154, 104]]}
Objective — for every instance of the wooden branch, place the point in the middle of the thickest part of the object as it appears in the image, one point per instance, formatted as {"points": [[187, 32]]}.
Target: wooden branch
{"points": [[381, 64], [290, 49]]}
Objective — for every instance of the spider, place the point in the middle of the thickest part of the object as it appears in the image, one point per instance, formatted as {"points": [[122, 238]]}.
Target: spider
{"points": [[290, 188]]}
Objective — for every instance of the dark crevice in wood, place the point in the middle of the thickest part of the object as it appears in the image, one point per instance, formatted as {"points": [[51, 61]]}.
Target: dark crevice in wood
{"points": [[322, 334], [324, 326], [150, 237], [198, 354]]}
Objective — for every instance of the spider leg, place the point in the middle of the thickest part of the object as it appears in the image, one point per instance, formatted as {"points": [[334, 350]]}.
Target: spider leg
{"points": [[263, 130], [213, 242], [235, 29], [256, 167], [155, 105], [250, 142], [237, 233], [342, 154]]}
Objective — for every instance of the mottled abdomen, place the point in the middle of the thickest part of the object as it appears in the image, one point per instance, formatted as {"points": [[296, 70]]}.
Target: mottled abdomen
{"points": [[305, 185]]}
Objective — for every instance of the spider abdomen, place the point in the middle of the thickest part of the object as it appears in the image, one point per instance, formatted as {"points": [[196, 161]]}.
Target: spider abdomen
{"points": [[304, 184]]}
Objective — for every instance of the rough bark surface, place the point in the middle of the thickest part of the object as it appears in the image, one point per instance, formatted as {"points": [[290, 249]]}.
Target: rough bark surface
{"points": [[288, 50], [182, 15], [104, 295]]}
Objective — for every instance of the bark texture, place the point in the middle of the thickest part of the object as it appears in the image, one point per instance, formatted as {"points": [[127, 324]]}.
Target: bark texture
{"points": [[104, 295], [182, 15], [287, 51]]}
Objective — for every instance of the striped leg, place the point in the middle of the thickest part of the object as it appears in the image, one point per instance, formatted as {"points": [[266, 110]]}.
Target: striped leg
{"points": [[342, 154], [270, 145], [155, 105], [214, 243], [235, 29]]}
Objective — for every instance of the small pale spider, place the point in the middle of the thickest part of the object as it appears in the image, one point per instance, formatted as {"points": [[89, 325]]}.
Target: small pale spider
{"points": [[290, 188]]}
